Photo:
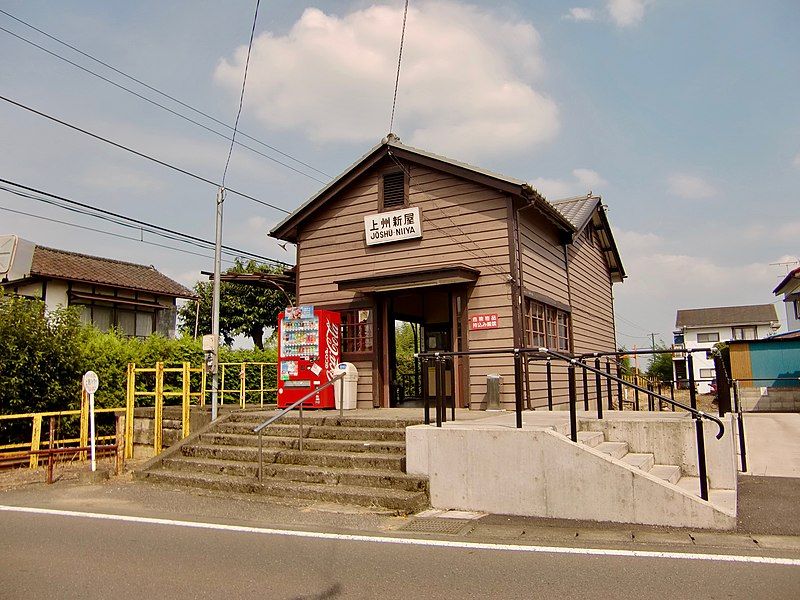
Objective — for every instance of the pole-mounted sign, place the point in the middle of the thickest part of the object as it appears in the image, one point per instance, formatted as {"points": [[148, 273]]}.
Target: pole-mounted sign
{"points": [[90, 385]]}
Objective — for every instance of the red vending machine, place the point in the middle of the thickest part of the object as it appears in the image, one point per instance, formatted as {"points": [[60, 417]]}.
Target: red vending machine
{"points": [[308, 353]]}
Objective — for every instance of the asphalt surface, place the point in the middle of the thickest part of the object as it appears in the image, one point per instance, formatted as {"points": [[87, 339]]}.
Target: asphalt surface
{"points": [[77, 557]]}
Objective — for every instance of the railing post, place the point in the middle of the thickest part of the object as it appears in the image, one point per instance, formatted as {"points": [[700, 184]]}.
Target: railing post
{"points": [[651, 405], [261, 387], [437, 369], [50, 439], [692, 390], [301, 427], [598, 386], [341, 398], [158, 409], [619, 384], [119, 454], [549, 368], [242, 377], [701, 457], [672, 394], [425, 397], [83, 424], [573, 417], [636, 395], [608, 386], [518, 387], [221, 389], [453, 406], [185, 400], [130, 402], [260, 456], [443, 363], [36, 440], [737, 407], [585, 390]]}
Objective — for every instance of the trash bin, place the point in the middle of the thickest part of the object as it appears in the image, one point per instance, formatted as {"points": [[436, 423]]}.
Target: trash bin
{"points": [[493, 392], [350, 385]]}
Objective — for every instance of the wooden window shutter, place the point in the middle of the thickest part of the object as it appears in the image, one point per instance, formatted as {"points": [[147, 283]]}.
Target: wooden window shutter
{"points": [[394, 190]]}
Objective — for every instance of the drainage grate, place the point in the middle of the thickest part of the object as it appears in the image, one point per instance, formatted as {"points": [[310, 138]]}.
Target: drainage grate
{"points": [[437, 525]]}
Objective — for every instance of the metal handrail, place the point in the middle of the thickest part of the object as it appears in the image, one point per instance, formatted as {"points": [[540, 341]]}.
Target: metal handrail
{"points": [[696, 413], [297, 403]]}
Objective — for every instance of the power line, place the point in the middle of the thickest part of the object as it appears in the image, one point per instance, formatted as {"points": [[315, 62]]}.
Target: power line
{"points": [[140, 154], [399, 61], [159, 105], [241, 95], [131, 222], [117, 235], [158, 91]]}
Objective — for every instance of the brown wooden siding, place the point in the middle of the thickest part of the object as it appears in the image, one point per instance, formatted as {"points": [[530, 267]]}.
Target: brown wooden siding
{"points": [[462, 222]]}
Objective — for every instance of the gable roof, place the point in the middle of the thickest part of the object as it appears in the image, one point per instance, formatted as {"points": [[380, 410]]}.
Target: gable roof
{"points": [[72, 266], [755, 314], [392, 147], [579, 210], [793, 274], [569, 215]]}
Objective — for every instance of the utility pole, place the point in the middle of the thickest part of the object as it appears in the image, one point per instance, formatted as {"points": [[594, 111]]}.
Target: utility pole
{"points": [[653, 342], [215, 305]]}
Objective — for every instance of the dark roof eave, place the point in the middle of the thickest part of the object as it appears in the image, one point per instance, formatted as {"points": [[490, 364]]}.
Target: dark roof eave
{"points": [[44, 276], [793, 274]]}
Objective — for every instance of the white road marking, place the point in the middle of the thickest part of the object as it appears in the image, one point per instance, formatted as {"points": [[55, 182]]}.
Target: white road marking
{"points": [[766, 560]]}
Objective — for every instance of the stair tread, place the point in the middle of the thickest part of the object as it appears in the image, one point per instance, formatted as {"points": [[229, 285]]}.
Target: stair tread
{"points": [[303, 468], [670, 473], [640, 460], [615, 449], [591, 438], [276, 483], [276, 450], [323, 441]]}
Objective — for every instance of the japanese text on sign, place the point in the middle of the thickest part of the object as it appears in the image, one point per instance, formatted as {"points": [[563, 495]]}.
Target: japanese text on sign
{"points": [[393, 226], [485, 321]]}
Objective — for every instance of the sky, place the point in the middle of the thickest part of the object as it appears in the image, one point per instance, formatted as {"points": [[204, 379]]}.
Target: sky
{"points": [[684, 116]]}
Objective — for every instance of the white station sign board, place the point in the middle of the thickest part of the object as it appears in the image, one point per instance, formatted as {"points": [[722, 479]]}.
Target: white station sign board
{"points": [[393, 226], [90, 382]]}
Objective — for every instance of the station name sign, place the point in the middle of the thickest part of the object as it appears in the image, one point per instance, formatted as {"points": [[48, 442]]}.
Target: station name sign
{"points": [[394, 226]]}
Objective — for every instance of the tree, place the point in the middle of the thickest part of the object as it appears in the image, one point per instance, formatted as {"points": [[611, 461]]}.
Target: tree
{"points": [[661, 366], [40, 365], [243, 309]]}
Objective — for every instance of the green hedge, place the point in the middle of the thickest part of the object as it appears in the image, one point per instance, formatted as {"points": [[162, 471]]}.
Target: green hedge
{"points": [[43, 356]]}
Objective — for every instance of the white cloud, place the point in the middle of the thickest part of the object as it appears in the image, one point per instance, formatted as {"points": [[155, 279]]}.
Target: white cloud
{"points": [[796, 161], [626, 13], [465, 86], [582, 182], [580, 14], [690, 187]]}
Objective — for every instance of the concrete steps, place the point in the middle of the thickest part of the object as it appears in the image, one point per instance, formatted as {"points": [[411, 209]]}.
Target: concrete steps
{"points": [[347, 460], [672, 474]]}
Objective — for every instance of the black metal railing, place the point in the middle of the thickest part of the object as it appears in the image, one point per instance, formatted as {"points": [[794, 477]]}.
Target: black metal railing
{"points": [[521, 356], [296, 404]]}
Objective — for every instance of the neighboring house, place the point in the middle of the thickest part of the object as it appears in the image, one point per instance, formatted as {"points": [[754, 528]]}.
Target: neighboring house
{"points": [[135, 299], [790, 288], [704, 327], [479, 260]]}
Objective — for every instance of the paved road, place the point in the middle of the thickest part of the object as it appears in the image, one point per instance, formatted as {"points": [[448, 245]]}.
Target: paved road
{"points": [[57, 555]]}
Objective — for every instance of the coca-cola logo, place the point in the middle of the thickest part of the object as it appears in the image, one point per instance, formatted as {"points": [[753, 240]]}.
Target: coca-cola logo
{"points": [[331, 348]]}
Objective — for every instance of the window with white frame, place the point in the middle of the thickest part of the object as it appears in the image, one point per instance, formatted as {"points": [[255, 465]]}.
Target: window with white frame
{"points": [[707, 373], [745, 333], [707, 337]]}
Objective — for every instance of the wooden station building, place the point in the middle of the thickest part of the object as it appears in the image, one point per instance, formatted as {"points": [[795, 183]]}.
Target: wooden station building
{"points": [[479, 260]]}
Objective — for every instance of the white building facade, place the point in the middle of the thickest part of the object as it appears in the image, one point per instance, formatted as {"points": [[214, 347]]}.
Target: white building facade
{"points": [[703, 328], [790, 288]]}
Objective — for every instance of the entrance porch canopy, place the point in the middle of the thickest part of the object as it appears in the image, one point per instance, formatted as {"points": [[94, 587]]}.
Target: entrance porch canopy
{"points": [[413, 277]]}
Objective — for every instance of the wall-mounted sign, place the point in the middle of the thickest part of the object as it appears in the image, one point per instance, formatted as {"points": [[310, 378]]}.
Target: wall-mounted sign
{"points": [[299, 312], [485, 321], [394, 226]]}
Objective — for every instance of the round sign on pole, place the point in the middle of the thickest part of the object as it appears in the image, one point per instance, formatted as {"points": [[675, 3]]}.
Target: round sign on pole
{"points": [[90, 382]]}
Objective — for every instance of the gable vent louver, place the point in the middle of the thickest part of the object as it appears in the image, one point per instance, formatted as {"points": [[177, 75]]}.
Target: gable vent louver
{"points": [[394, 191]]}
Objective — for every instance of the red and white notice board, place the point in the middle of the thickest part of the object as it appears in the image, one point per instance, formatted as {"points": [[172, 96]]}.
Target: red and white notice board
{"points": [[484, 321]]}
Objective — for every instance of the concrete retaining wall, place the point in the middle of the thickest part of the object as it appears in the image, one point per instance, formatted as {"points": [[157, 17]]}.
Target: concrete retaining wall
{"points": [[770, 399], [539, 472]]}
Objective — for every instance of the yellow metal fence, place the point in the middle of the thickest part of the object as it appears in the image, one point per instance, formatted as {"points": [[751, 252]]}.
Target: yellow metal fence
{"points": [[250, 382]]}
